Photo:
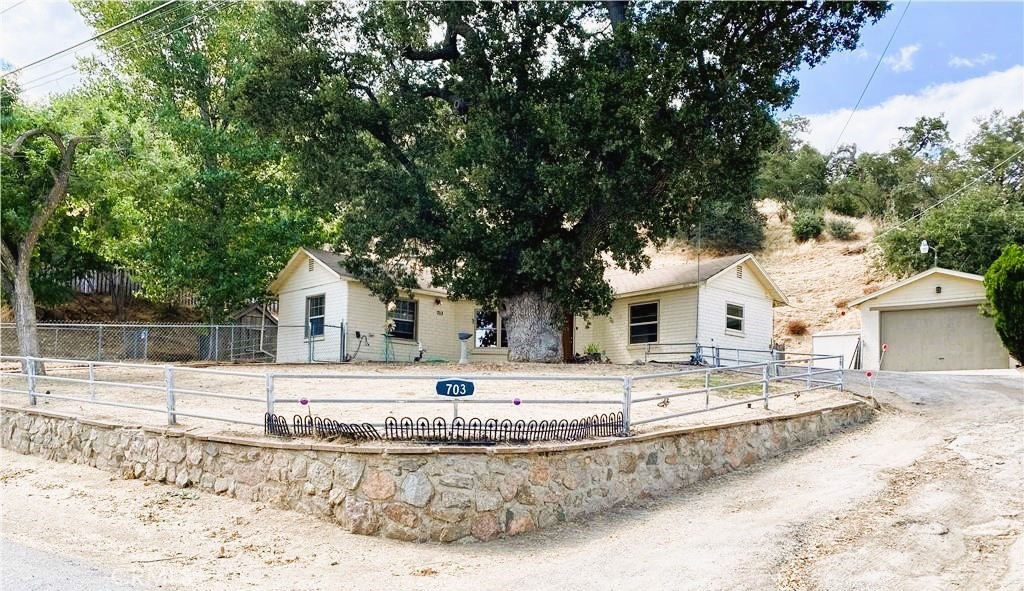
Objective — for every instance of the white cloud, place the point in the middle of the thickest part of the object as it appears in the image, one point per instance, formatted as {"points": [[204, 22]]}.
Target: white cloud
{"points": [[875, 128], [905, 62], [967, 62]]}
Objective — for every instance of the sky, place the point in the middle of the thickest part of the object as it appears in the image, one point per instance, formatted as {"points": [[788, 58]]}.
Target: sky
{"points": [[960, 60]]}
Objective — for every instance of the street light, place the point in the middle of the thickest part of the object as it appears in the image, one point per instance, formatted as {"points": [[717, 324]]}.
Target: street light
{"points": [[925, 247]]}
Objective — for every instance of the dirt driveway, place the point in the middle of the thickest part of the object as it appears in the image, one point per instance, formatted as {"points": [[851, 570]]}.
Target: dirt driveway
{"points": [[926, 497]]}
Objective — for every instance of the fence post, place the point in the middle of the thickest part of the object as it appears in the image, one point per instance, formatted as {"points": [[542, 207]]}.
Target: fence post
{"points": [[30, 365], [718, 357], [627, 403], [216, 342], [99, 345], [270, 393], [764, 383], [809, 365], [92, 381], [707, 389], [145, 344], [309, 339], [172, 418], [842, 374]]}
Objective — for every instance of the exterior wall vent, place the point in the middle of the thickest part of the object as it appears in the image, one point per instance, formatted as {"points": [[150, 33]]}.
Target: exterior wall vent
{"points": [[938, 289], [739, 271], [309, 264]]}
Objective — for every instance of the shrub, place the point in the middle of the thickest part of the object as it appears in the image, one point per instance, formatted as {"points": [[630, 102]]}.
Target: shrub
{"points": [[842, 229], [843, 204], [796, 327], [1004, 289], [808, 225], [807, 202], [842, 303]]}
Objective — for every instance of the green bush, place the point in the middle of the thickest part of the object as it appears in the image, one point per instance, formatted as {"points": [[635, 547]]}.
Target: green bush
{"points": [[1004, 288], [806, 202], [808, 225], [843, 204], [842, 229]]}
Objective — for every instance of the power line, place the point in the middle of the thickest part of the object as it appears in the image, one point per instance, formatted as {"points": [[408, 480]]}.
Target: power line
{"points": [[116, 27], [192, 20], [73, 66], [870, 78], [963, 187], [41, 81], [13, 6]]}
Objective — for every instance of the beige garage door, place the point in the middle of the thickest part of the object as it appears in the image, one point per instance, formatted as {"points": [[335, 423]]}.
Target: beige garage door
{"points": [[941, 338]]}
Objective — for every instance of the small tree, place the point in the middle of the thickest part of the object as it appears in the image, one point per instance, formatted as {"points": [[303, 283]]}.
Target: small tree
{"points": [[27, 222], [1004, 288]]}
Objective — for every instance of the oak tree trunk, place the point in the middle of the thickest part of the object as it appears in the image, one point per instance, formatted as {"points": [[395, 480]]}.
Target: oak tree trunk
{"points": [[25, 316], [534, 328]]}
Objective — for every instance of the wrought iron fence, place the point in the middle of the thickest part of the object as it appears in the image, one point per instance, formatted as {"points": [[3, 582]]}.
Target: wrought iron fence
{"points": [[165, 343]]}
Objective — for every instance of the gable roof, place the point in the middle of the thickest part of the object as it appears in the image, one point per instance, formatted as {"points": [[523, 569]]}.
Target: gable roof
{"points": [[625, 282], [918, 277], [328, 260], [622, 281]]}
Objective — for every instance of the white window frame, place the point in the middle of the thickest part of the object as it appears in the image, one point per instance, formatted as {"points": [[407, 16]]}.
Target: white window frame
{"points": [[498, 327], [322, 316], [656, 322], [742, 318], [415, 320]]}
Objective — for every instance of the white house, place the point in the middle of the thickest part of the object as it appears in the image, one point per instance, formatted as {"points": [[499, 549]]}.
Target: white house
{"points": [[325, 314], [929, 322]]}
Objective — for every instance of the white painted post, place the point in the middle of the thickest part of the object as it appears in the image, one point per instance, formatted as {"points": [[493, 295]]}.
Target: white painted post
{"points": [[92, 381], [627, 403], [172, 418], [707, 389], [809, 365], [842, 374], [309, 336], [30, 365], [455, 409], [270, 394], [764, 383]]}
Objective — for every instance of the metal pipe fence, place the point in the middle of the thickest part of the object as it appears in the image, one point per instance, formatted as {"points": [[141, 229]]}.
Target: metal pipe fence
{"points": [[272, 393]]}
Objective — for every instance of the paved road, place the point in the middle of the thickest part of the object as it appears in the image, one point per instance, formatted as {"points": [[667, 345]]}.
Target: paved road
{"points": [[925, 497], [25, 569]]}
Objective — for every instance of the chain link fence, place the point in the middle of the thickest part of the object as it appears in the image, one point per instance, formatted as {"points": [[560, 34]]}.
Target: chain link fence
{"points": [[150, 342]]}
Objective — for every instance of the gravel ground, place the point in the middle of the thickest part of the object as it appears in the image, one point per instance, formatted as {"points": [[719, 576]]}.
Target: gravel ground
{"points": [[925, 497]]}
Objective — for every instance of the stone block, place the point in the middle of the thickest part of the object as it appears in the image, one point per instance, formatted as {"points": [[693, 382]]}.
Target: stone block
{"points": [[416, 489], [378, 486]]}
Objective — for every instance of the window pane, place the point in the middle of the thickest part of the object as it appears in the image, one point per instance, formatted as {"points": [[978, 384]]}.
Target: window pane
{"points": [[643, 313], [734, 310], [317, 326], [733, 323], [643, 333], [404, 319], [486, 329]]}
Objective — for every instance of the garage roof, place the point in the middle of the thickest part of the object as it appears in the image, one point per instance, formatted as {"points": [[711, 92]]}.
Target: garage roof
{"points": [[915, 278]]}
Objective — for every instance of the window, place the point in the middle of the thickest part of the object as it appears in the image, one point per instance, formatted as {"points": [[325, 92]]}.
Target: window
{"points": [[643, 323], [734, 317], [403, 320], [315, 316], [488, 330]]}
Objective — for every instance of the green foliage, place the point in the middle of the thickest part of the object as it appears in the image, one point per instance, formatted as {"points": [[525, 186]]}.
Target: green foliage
{"points": [[213, 206], [968, 233], [514, 155], [791, 169], [1004, 289], [842, 229], [808, 225], [728, 227], [593, 349]]}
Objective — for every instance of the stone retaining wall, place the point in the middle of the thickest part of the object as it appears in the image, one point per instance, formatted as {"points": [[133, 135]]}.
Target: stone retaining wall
{"points": [[423, 493]]}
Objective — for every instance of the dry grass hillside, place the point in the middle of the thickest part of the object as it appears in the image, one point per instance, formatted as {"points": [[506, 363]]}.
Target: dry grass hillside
{"points": [[818, 276]]}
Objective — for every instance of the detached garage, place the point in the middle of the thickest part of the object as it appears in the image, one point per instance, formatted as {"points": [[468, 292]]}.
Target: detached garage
{"points": [[930, 322]]}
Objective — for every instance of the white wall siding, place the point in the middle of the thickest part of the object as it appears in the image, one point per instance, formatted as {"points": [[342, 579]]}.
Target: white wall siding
{"points": [[676, 314], [292, 345], [726, 288], [437, 321]]}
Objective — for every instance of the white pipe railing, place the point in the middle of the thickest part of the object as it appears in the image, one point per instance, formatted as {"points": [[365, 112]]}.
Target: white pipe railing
{"points": [[772, 371]]}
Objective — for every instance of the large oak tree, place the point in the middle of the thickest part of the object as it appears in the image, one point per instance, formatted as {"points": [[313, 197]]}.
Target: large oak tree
{"points": [[517, 149]]}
